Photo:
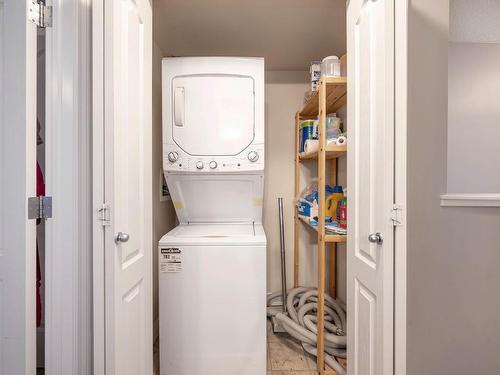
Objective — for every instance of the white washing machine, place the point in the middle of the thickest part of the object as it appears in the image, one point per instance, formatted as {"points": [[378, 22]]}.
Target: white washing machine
{"points": [[212, 276]]}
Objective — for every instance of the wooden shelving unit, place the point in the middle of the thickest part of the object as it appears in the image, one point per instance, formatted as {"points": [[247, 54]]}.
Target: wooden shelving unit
{"points": [[332, 152], [330, 97], [328, 237], [335, 97]]}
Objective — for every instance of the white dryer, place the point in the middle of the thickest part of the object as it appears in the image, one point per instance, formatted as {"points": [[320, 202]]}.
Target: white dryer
{"points": [[212, 276]]}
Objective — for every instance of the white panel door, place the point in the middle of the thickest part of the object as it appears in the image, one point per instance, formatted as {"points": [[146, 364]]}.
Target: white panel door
{"points": [[370, 46], [17, 183], [126, 115]]}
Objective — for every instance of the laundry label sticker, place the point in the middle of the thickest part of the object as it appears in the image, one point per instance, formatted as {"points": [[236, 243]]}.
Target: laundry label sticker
{"points": [[170, 260]]}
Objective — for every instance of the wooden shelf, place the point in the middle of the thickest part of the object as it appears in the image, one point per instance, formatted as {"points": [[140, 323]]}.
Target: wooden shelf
{"points": [[336, 97], [331, 95], [328, 237], [332, 151]]}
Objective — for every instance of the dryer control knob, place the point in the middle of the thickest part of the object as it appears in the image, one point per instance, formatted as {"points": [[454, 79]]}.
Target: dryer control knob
{"points": [[253, 156], [199, 165], [213, 164], [172, 156]]}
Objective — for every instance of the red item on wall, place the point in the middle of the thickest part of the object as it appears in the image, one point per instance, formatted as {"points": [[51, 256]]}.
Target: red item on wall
{"points": [[40, 183], [40, 190], [38, 285]]}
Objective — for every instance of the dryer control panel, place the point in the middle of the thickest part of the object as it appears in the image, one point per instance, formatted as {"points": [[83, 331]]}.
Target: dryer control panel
{"points": [[251, 159]]}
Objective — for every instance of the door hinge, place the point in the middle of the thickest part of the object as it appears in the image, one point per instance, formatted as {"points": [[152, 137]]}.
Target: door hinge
{"points": [[104, 215], [397, 215], [39, 207], [39, 13]]}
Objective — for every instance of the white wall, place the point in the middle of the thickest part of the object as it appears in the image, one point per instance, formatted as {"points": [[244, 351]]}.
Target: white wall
{"points": [[473, 92], [284, 96], [163, 212], [474, 21], [473, 117]]}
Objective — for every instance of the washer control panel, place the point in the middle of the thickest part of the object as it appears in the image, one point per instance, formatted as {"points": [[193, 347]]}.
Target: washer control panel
{"points": [[253, 156], [250, 159], [172, 156]]}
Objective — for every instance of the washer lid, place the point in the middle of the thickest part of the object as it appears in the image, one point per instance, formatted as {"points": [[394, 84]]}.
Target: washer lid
{"points": [[213, 234], [217, 198]]}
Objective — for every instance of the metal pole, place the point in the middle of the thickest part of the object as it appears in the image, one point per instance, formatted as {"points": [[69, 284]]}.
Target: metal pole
{"points": [[282, 247]]}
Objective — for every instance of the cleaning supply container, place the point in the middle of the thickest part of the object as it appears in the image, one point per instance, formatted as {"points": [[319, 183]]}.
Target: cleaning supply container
{"points": [[315, 70], [332, 202], [306, 133], [330, 66], [342, 213]]}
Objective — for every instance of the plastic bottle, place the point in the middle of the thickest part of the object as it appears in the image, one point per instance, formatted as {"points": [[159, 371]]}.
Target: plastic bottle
{"points": [[332, 202], [333, 126], [342, 213], [330, 66]]}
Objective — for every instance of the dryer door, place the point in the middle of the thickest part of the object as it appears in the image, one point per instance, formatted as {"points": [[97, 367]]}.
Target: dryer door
{"points": [[213, 114]]}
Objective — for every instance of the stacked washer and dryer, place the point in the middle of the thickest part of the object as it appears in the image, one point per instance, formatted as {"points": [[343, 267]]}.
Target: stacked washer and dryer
{"points": [[212, 276]]}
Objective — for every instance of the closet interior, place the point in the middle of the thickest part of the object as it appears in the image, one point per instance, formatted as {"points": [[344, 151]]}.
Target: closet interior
{"points": [[293, 38]]}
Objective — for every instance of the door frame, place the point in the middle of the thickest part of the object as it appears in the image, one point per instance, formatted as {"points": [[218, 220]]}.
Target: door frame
{"points": [[67, 288], [68, 291], [98, 230], [400, 182], [67, 285], [68, 342]]}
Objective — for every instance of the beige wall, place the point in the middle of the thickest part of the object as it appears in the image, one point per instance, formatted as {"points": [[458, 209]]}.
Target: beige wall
{"points": [[163, 212], [453, 253], [284, 93], [284, 96]]}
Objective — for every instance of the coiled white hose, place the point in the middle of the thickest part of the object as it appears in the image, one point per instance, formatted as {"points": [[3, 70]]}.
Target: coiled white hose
{"points": [[301, 323]]}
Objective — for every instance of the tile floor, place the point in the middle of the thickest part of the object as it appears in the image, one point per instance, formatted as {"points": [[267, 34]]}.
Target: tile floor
{"points": [[285, 356]]}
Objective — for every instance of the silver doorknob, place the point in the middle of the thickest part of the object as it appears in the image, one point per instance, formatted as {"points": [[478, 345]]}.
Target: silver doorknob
{"points": [[121, 237], [375, 238]]}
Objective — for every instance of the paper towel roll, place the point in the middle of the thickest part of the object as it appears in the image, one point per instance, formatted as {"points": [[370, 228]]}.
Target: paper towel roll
{"points": [[311, 145]]}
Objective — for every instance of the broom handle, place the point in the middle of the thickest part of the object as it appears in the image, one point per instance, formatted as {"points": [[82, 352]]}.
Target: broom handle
{"points": [[282, 248]]}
